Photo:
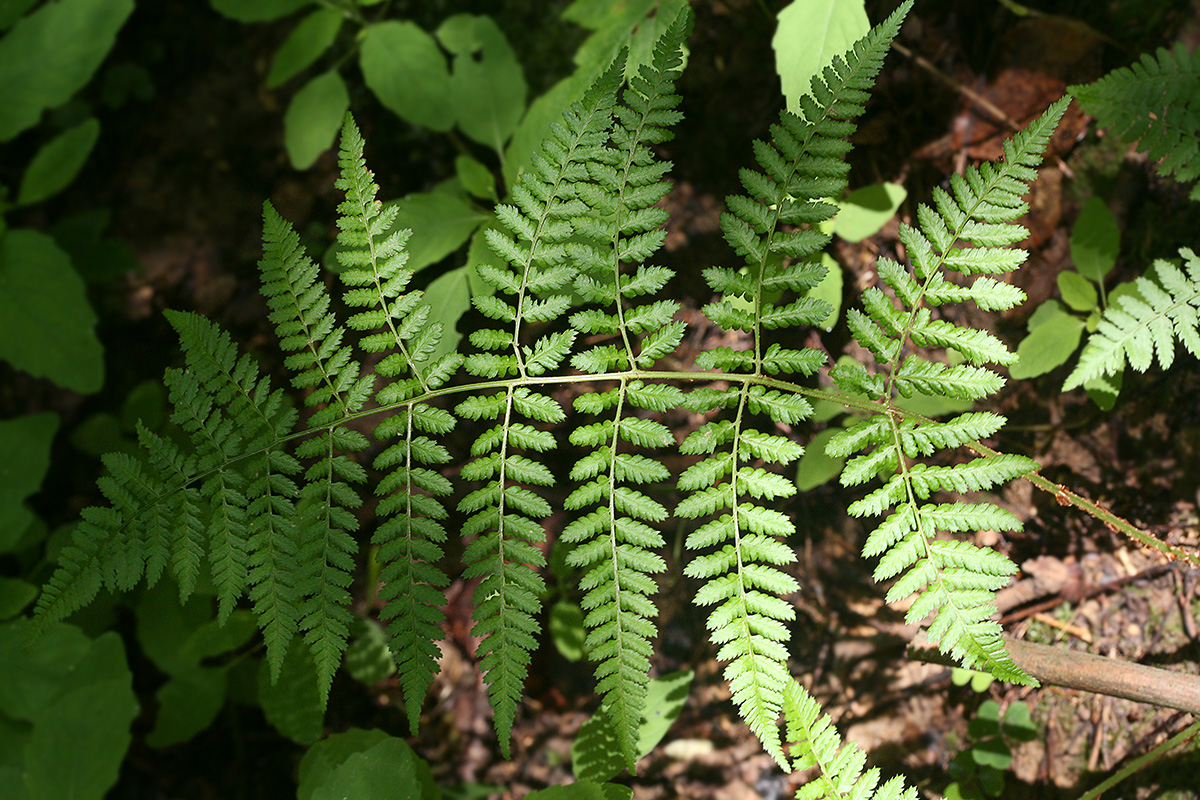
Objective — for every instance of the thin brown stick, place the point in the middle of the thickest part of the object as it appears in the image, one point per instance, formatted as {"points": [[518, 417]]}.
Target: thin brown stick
{"points": [[1071, 669]]}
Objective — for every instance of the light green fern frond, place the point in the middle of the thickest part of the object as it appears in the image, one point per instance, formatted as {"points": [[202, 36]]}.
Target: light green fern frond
{"points": [[335, 387], [1156, 102], [397, 324], [504, 515], [1136, 329], [814, 742], [741, 549], [613, 542], [953, 580]]}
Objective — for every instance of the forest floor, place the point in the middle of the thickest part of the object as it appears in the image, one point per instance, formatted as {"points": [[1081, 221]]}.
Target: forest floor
{"points": [[193, 168]]}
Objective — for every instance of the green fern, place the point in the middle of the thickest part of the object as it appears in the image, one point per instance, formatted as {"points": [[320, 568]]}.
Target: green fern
{"points": [[270, 512], [803, 163], [814, 742], [409, 539], [613, 542], [505, 516], [1154, 101], [1138, 329], [954, 581]]}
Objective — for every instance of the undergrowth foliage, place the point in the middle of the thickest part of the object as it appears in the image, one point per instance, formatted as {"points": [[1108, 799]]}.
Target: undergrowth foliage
{"points": [[271, 503]]}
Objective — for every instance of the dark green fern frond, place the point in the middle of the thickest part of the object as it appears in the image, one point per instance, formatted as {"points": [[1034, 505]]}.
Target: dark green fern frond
{"points": [[504, 515], [741, 549], [335, 388], [814, 742], [397, 324], [613, 542], [955, 581], [1156, 102], [1136, 329], [159, 517]]}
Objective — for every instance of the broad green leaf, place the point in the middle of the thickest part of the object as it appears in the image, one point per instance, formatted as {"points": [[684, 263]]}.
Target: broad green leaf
{"points": [[257, 10], [1047, 346], [304, 45], [441, 221], [51, 54], [30, 678], [487, 83], [865, 211], [535, 125], [665, 699], [328, 754], [58, 162], [15, 595], [187, 704], [1095, 240], [80, 736], [449, 297], [24, 460], [829, 290], [385, 772], [1077, 291], [46, 324], [314, 117], [810, 34], [596, 753], [816, 467], [293, 703], [566, 629], [406, 70], [13, 10], [636, 24], [476, 178], [1018, 723]]}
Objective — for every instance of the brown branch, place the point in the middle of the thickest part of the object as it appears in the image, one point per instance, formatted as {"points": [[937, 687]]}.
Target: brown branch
{"points": [[1072, 669]]}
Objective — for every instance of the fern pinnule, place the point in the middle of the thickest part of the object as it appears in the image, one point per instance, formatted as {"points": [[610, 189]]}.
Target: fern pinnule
{"points": [[1154, 102], [955, 581], [1140, 327], [815, 743]]}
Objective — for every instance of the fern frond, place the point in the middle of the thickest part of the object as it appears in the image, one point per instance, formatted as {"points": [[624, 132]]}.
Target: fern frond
{"points": [[397, 324], [336, 388], [1153, 101], [613, 541], [504, 520], [741, 549], [1141, 327], [814, 742], [158, 518], [968, 230]]}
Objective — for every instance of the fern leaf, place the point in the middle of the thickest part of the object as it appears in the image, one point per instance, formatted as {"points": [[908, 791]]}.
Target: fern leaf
{"points": [[814, 742], [953, 581], [1153, 101], [613, 541], [1139, 329], [336, 388], [803, 162]]}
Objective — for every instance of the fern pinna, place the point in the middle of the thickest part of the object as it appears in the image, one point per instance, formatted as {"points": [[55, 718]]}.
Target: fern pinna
{"points": [[1156, 102], [274, 510], [953, 580]]}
